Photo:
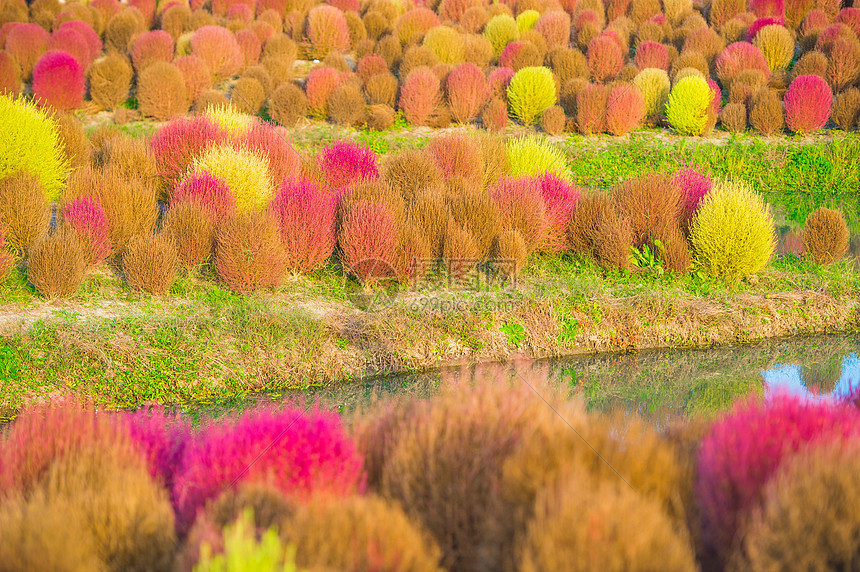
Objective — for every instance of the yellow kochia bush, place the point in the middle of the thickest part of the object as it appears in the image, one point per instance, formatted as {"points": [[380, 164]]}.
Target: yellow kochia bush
{"points": [[530, 93], [733, 232], [245, 172], [654, 84], [690, 105]]}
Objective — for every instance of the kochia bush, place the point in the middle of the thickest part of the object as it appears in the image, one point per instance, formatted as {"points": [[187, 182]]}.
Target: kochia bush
{"points": [[530, 93], [345, 163], [742, 451], [807, 104], [419, 95], [535, 156], [295, 452], [690, 106], [306, 216], [327, 31], [605, 58], [246, 174], [500, 31], [655, 85], [88, 218], [31, 142], [733, 232], [467, 92], [176, 143], [625, 109], [218, 47], [206, 191], [58, 81]]}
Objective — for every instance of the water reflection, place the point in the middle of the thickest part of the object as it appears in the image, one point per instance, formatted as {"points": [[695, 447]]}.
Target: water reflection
{"points": [[817, 381]]}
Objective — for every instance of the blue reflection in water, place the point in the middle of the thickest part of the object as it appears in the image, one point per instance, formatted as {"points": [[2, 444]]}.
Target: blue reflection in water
{"points": [[788, 378]]}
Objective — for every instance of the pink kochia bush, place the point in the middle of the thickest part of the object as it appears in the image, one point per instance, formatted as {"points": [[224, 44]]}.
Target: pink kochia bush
{"points": [[307, 216], [207, 191], [419, 95], [218, 47], [74, 43], [297, 453], [807, 104], [368, 240], [694, 186], [26, 43], [738, 57], [742, 451], [88, 218], [150, 47], [319, 86], [467, 92], [58, 81], [560, 198], [92, 39], [345, 163], [160, 438], [176, 143], [652, 55]]}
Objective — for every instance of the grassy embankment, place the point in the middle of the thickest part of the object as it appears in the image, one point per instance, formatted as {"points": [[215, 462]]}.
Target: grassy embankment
{"points": [[204, 343]]}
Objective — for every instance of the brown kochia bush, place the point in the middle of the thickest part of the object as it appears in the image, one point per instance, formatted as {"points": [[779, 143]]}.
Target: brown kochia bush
{"points": [[846, 109], [429, 212], [149, 263], [766, 113], [346, 105], [651, 204], [807, 521], [552, 121], [133, 159], [379, 117], [96, 509], [443, 464], [473, 209], [161, 91], [734, 117], [615, 527], [56, 264], [248, 96], [249, 253], [192, 230], [76, 147], [381, 89], [510, 253], [130, 206], [825, 236], [359, 533], [596, 229], [411, 172], [24, 211], [288, 104]]}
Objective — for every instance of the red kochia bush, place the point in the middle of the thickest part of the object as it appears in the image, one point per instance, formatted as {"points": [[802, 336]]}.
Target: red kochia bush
{"points": [[467, 92], [306, 215], [605, 58], [458, 155], [851, 18], [160, 438], [807, 104], [176, 143], [218, 47], [150, 47], [741, 452], [554, 26], [299, 454], [92, 39], [327, 31], [72, 42], [268, 141], [26, 43], [767, 8], [694, 186], [251, 46], [498, 81], [208, 192], [369, 66], [58, 81], [419, 95], [368, 240], [625, 109], [652, 55], [560, 198], [738, 57], [319, 86], [345, 163], [88, 218]]}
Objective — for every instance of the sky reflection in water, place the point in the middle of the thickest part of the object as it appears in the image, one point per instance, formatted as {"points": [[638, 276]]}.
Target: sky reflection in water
{"points": [[798, 380]]}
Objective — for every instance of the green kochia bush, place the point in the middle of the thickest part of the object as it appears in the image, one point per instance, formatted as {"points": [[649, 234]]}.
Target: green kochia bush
{"points": [[533, 156], [733, 232], [689, 106], [31, 142], [530, 93]]}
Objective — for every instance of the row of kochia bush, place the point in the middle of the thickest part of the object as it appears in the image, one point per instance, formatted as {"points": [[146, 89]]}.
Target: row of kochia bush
{"points": [[240, 195], [581, 65], [484, 476]]}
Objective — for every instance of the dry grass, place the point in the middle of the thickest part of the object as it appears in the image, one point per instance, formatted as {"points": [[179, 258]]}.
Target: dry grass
{"points": [[56, 264], [24, 210]]}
